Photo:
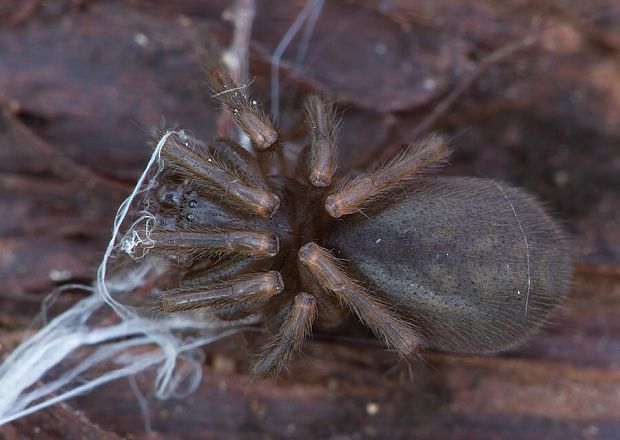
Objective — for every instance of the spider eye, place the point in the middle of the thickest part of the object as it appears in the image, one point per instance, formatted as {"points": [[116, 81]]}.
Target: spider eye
{"points": [[192, 203], [190, 217]]}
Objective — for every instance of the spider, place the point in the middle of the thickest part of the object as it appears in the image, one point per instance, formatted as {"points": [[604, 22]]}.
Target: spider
{"points": [[455, 264]]}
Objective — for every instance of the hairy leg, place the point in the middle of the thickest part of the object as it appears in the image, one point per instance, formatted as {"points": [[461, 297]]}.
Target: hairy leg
{"points": [[252, 290], [360, 192], [213, 270], [246, 113], [206, 241], [296, 327], [208, 173], [396, 333], [330, 312], [239, 161], [322, 128]]}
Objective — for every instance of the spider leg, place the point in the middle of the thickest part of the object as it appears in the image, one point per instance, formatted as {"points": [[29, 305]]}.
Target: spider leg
{"points": [[325, 270], [208, 241], [357, 193], [329, 310], [209, 173], [252, 290], [209, 272], [232, 312], [239, 159], [246, 113], [322, 128], [296, 327], [212, 270]]}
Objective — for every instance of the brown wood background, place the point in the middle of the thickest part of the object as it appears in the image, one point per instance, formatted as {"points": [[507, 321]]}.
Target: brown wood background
{"points": [[83, 82]]}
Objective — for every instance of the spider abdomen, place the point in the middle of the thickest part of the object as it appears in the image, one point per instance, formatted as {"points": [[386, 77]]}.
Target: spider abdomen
{"points": [[477, 265]]}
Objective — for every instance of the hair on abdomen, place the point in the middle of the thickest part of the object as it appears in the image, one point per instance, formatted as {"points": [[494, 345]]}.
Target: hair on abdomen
{"points": [[478, 265]]}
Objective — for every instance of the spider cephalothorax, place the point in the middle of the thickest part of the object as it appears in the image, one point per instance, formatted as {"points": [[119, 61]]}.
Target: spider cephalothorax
{"points": [[458, 264]]}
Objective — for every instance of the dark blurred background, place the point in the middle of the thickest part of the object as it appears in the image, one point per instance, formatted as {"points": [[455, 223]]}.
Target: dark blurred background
{"points": [[83, 83]]}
